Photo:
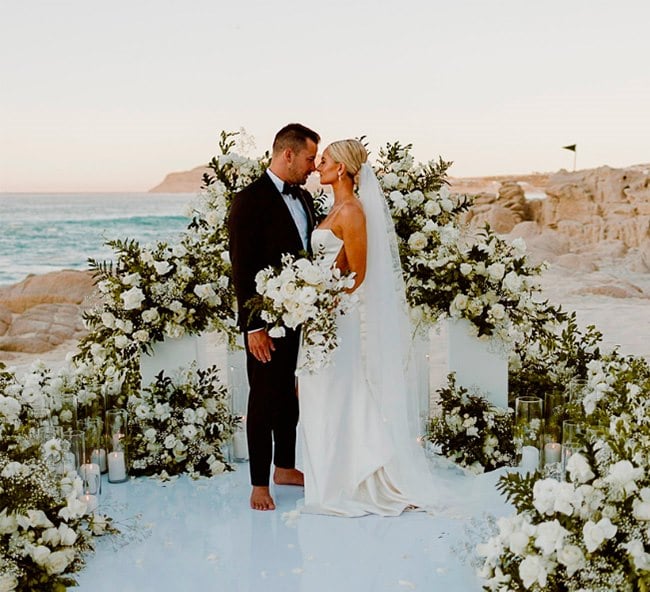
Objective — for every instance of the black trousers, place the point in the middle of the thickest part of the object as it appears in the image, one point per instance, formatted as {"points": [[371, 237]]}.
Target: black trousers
{"points": [[272, 409]]}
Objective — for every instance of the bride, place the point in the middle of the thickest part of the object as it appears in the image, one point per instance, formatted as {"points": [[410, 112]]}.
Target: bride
{"points": [[359, 415]]}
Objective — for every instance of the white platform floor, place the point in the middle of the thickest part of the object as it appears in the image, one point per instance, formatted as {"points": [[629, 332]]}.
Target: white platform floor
{"points": [[201, 536]]}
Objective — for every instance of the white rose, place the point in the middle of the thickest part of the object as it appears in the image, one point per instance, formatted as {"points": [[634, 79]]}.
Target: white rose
{"points": [[217, 467], [150, 315], [446, 204], [39, 554], [150, 434], [170, 441], [108, 319], [312, 274], [496, 271], [512, 282], [518, 542], [390, 180], [418, 241], [465, 268], [57, 562], [432, 208], [8, 582], [121, 341], [189, 431], [498, 312], [51, 537], [204, 291], [459, 302], [594, 534], [572, 557], [550, 537], [142, 336], [519, 245], [579, 468], [622, 477], [67, 534], [416, 197], [642, 507], [132, 279], [132, 298], [162, 267], [533, 569]]}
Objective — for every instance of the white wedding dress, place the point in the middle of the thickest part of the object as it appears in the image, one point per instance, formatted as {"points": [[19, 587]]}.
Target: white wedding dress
{"points": [[352, 461]]}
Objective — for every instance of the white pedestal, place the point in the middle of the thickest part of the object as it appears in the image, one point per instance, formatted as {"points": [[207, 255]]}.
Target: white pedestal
{"points": [[478, 363], [169, 355], [421, 358]]}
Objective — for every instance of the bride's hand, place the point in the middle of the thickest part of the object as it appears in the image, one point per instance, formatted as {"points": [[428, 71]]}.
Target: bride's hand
{"points": [[261, 345]]}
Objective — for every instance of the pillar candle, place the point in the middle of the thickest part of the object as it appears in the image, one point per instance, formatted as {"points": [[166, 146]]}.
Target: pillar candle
{"points": [[116, 467]]}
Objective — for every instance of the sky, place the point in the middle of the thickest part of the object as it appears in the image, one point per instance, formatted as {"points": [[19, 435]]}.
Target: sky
{"points": [[113, 96]]}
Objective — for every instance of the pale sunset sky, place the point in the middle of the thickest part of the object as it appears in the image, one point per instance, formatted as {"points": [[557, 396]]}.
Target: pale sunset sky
{"points": [[113, 96]]}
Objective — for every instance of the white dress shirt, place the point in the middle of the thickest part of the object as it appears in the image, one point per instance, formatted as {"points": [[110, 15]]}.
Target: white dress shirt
{"points": [[296, 209]]}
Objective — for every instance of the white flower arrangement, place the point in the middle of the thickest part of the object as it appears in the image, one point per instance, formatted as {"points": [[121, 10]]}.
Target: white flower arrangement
{"points": [[308, 294], [181, 425], [472, 432], [482, 279], [591, 531], [45, 531]]}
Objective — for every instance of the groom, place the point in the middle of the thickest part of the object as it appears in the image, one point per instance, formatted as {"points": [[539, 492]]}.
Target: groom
{"points": [[270, 217]]}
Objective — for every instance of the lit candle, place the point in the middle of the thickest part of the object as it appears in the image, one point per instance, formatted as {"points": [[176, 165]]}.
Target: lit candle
{"points": [[116, 467], [552, 453], [98, 456], [91, 475], [529, 458], [90, 501]]}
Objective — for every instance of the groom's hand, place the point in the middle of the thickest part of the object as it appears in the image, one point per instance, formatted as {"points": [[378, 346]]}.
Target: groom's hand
{"points": [[261, 345]]}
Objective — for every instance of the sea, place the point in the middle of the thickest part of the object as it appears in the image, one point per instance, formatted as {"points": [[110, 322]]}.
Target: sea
{"points": [[43, 232]]}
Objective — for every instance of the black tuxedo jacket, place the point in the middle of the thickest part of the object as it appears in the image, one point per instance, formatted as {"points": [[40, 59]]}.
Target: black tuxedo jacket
{"points": [[261, 230]]}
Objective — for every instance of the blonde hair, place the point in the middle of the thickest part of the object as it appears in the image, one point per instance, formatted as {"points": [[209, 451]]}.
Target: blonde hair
{"points": [[351, 153]]}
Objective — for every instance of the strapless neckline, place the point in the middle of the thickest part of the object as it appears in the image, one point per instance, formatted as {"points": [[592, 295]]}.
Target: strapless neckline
{"points": [[327, 230]]}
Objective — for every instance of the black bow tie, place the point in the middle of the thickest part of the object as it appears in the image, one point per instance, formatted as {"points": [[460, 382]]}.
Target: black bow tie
{"points": [[292, 190]]}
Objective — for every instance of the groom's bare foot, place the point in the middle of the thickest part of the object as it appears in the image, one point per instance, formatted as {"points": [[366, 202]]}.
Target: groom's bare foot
{"points": [[288, 477], [261, 499]]}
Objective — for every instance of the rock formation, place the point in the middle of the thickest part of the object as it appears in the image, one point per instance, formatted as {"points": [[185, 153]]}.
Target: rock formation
{"points": [[603, 215], [182, 182], [44, 311]]}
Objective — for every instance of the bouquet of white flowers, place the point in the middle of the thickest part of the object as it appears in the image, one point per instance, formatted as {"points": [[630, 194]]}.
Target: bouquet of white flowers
{"points": [[307, 293]]}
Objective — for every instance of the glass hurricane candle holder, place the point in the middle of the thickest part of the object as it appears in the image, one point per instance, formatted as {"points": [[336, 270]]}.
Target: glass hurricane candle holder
{"points": [[68, 412], [529, 428], [554, 403], [116, 435], [572, 442], [240, 442], [95, 446], [73, 450]]}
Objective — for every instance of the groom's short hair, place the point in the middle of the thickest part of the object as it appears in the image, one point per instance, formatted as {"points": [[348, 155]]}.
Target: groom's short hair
{"points": [[294, 136]]}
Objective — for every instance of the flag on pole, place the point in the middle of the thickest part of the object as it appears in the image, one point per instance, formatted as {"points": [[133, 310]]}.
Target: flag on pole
{"points": [[571, 147]]}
